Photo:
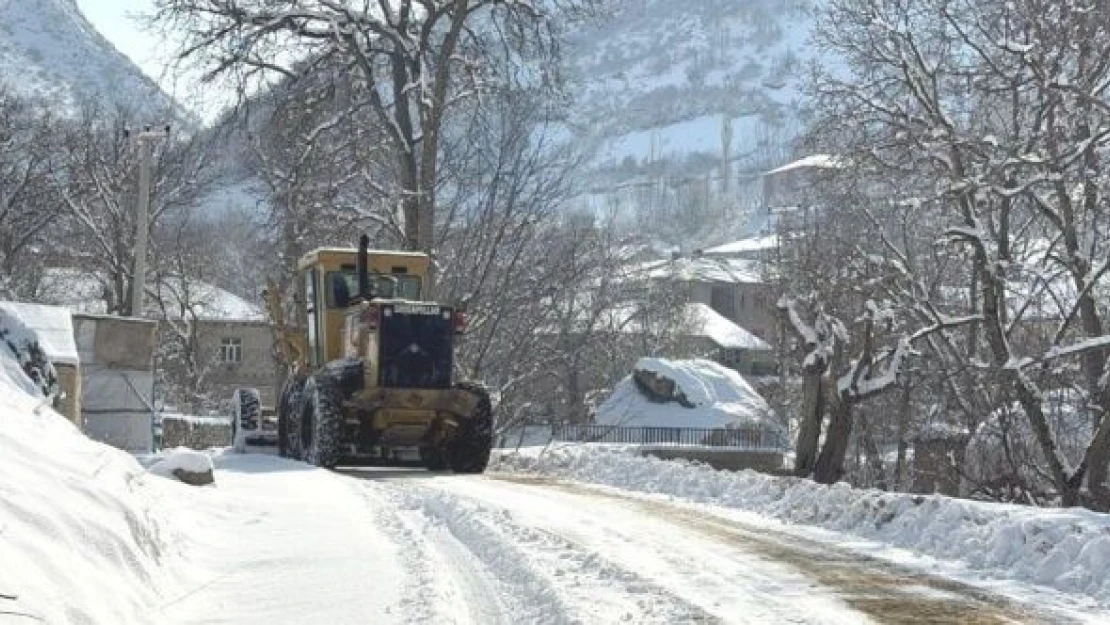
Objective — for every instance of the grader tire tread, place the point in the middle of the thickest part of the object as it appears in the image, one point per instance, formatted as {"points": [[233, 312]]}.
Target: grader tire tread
{"points": [[470, 451], [323, 421]]}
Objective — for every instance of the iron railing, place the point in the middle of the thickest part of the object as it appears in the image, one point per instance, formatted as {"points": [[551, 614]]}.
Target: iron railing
{"points": [[753, 437]]}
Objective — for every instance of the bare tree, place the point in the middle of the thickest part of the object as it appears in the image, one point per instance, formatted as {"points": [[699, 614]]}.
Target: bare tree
{"points": [[25, 197], [989, 117], [410, 62]]}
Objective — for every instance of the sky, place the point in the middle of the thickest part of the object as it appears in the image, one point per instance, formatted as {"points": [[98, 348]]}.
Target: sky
{"points": [[113, 18], [118, 21]]}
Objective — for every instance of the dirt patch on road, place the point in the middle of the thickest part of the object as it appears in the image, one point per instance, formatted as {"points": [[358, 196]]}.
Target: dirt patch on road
{"points": [[883, 591]]}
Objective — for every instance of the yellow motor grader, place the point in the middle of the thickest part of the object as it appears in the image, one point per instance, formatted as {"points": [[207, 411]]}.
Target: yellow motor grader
{"points": [[372, 373]]}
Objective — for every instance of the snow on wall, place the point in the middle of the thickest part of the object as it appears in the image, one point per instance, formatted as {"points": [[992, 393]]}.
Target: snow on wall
{"points": [[721, 396], [79, 540], [1066, 549]]}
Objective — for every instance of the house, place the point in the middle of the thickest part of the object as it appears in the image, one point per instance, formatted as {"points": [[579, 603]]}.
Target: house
{"points": [[733, 287], [209, 341]]}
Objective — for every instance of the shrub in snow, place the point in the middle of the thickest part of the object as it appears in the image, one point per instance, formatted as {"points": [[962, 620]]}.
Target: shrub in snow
{"points": [[187, 465], [22, 344], [1003, 456]]}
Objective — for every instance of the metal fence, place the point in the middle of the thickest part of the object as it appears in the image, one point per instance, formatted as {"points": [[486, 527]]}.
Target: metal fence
{"points": [[748, 437]]}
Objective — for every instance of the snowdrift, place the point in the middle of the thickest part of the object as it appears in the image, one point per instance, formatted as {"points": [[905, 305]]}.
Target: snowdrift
{"points": [[79, 542], [720, 396], [1066, 549]]}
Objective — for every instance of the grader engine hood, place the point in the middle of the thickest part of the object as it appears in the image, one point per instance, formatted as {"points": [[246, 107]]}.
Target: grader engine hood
{"points": [[411, 344]]}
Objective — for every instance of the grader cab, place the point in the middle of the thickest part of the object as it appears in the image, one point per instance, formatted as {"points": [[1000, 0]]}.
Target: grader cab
{"points": [[372, 377]]}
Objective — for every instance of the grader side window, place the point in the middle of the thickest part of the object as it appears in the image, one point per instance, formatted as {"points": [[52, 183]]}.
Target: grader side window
{"points": [[314, 345]]}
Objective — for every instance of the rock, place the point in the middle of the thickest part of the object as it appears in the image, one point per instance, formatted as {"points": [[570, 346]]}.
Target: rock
{"points": [[659, 388], [194, 478]]}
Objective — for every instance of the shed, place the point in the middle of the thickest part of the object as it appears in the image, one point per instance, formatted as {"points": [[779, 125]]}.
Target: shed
{"points": [[53, 330]]}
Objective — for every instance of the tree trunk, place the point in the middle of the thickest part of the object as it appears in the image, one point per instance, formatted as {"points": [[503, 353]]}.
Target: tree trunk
{"points": [[809, 430], [830, 464], [903, 425], [873, 459]]}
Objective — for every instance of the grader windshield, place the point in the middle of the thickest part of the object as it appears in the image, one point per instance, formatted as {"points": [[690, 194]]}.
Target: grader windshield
{"points": [[343, 287]]}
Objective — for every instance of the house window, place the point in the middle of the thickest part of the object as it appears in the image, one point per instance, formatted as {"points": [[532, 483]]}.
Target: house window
{"points": [[723, 300], [231, 350]]}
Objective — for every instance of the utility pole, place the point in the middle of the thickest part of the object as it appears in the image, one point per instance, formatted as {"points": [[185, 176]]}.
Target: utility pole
{"points": [[145, 141]]}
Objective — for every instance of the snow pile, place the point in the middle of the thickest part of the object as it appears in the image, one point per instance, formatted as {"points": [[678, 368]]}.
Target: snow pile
{"points": [[720, 396], [181, 458], [1065, 549], [78, 541]]}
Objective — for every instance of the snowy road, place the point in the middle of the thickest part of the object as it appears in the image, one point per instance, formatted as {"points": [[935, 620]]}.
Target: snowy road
{"points": [[285, 544]]}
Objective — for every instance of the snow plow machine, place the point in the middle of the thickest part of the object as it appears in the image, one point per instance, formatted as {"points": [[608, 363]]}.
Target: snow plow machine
{"points": [[371, 371]]}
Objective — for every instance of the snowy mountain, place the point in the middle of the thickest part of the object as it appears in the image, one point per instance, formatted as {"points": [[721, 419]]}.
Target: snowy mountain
{"points": [[663, 87], [49, 50]]}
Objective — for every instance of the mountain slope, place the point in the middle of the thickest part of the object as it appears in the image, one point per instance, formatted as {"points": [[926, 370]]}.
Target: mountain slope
{"points": [[659, 77], [50, 51]]}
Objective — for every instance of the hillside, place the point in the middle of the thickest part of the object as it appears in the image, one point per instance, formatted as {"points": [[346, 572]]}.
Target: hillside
{"points": [[50, 51], [668, 91]]}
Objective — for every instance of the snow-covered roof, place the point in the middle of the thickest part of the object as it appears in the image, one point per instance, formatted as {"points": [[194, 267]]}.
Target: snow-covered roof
{"points": [[820, 161], [721, 398], [80, 290], [52, 327], [756, 244], [711, 324], [702, 269], [209, 302]]}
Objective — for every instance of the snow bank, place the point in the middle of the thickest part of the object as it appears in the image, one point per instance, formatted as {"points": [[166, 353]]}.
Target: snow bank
{"points": [[721, 398], [79, 542], [1067, 549]]}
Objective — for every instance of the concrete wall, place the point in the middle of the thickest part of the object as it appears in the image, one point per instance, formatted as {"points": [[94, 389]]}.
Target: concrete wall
{"points": [[117, 379]]}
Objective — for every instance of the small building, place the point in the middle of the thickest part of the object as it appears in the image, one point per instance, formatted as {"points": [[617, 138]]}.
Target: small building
{"points": [[117, 402], [53, 330]]}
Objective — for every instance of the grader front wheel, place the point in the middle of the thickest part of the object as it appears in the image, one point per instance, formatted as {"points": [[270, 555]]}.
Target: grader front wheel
{"points": [[469, 452]]}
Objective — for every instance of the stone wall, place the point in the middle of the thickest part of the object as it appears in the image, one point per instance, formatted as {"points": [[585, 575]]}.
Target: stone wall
{"points": [[195, 432]]}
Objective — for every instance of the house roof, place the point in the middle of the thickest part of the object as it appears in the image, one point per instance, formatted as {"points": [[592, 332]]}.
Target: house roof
{"points": [[755, 244], [712, 325], [82, 291], [820, 161], [702, 269]]}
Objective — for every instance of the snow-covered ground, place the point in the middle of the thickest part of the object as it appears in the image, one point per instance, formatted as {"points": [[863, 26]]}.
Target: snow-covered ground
{"points": [[88, 536], [1005, 547], [80, 538], [280, 542]]}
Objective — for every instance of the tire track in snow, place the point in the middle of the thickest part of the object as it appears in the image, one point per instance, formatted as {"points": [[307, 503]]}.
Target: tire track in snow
{"points": [[542, 577], [444, 585]]}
